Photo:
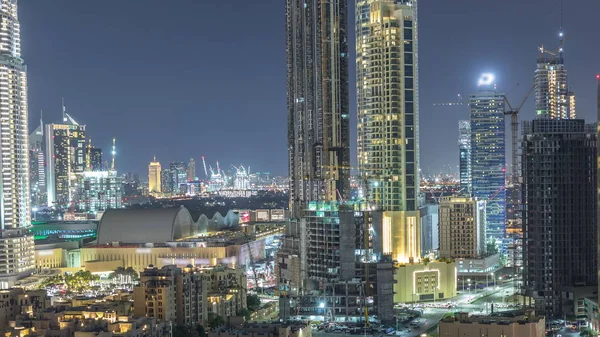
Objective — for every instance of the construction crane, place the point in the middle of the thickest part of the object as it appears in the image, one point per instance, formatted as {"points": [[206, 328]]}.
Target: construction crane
{"points": [[514, 127], [204, 164]]}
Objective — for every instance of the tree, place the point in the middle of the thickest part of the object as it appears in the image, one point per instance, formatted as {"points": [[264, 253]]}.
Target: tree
{"points": [[200, 330], [215, 320], [491, 248], [244, 312], [181, 330], [253, 302]]}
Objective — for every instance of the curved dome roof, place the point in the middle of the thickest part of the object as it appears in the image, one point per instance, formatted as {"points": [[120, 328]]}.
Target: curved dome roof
{"points": [[145, 225]]}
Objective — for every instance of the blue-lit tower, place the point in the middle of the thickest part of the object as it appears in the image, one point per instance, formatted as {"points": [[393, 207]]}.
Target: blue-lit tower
{"points": [[488, 158]]}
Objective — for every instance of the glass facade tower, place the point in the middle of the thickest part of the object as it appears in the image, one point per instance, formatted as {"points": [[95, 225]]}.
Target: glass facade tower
{"points": [[488, 158], [464, 160]]}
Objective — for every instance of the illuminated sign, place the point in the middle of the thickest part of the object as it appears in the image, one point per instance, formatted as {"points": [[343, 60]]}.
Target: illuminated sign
{"points": [[486, 79], [245, 217]]}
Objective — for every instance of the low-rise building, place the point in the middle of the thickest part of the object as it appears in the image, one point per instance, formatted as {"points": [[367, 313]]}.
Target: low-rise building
{"points": [[16, 301], [236, 327], [463, 325], [187, 295], [425, 281]]}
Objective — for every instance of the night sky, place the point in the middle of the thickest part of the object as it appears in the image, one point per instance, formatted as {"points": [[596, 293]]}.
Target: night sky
{"points": [[186, 78]]}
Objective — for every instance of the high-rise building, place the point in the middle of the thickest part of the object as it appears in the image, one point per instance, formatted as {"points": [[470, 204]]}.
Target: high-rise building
{"points": [[552, 96], [430, 239], [154, 177], [462, 227], [464, 159], [65, 159], [338, 253], [99, 191], [178, 177], [191, 170], [488, 158], [559, 170], [388, 116], [93, 158], [16, 244], [317, 101], [37, 170]]}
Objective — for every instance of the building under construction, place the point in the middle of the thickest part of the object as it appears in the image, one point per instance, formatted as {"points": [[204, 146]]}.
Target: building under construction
{"points": [[336, 271]]}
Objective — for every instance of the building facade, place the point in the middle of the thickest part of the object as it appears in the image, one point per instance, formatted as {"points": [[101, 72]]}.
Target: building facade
{"points": [[559, 170], [178, 177], [99, 191], [187, 295], [65, 159], [462, 227], [488, 159], [16, 244], [317, 101], [464, 159], [191, 170], [37, 167], [430, 239], [553, 99], [463, 325], [337, 261], [154, 177]]}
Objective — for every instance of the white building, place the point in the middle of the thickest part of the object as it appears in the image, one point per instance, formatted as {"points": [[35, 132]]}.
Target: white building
{"points": [[16, 246]]}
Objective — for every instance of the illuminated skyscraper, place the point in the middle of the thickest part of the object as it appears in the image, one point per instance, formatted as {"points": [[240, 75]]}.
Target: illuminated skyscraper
{"points": [[154, 177], [488, 160], [16, 244], [65, 159], [388, 117], [552, 96], [37, 170], [464, 159], [191, 170], [317, 101]]}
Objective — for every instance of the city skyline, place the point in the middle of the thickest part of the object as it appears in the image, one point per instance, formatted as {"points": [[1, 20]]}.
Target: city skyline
{"points": [[261, 103]]}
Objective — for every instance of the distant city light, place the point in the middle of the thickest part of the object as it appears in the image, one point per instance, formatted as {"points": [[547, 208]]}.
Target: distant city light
{"points": [[322, 305], [486, 79]]}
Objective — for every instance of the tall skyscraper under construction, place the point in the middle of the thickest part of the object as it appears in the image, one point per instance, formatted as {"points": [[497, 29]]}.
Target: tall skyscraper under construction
{"points": [[317, 101], [552, 96], [488, 158], [388, 117], [65, 159], [16, 243]]}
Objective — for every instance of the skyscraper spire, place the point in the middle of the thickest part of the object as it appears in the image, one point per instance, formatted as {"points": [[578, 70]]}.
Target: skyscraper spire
{"points": [[113, 153]]}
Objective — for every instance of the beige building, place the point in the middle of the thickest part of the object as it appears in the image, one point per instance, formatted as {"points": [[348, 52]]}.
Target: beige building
{"points": [[461, 325], [462, 227], [154, 177], [187, 295], [16, 301], [420, 282]]}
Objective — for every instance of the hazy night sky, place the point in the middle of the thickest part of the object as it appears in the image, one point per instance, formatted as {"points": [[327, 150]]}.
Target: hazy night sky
{"points": [[186, 78]]}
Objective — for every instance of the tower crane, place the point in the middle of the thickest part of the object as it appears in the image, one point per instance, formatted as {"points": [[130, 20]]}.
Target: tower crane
{"points": [[204, 164], [514, 127]]}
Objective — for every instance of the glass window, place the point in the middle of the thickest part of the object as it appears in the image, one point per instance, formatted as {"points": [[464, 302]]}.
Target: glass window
{"points": [[408, 94]]}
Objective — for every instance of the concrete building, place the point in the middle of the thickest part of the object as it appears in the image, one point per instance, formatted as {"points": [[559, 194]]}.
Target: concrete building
{"points": [[16, 301], [317, 102], [488, 162], [463, 325], [425, 281], [559, 170], [17, 256], [464, 158], [154, 177], [462, 227], [188, 295], [337, 261], [236, 327]]}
